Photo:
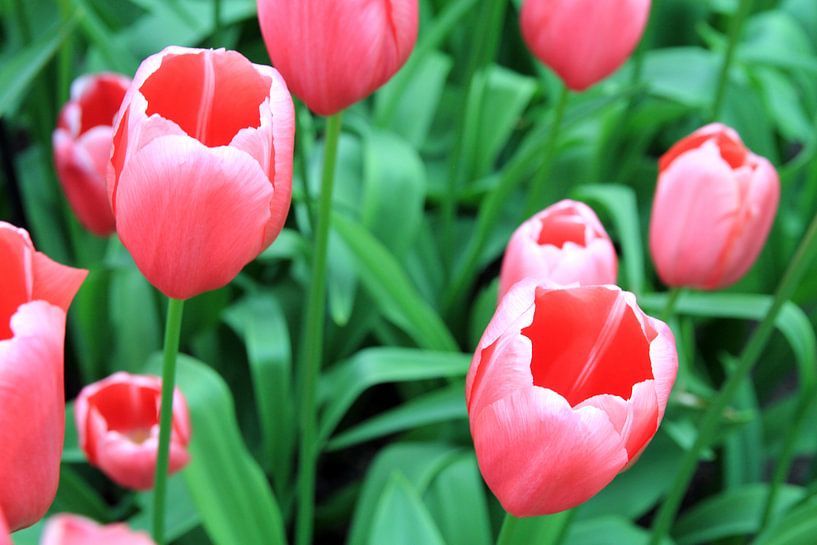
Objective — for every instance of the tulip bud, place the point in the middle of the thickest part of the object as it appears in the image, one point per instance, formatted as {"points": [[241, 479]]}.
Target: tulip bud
{"points": [[565, 390], [564, 244], [714, 207], [76, 530], [583, 41], [82, 147], [201, 172], [333, 54], [118, 425], [34, 298]]}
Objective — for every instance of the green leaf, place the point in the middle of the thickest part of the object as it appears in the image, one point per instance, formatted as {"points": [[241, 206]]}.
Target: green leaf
{"points": [[260, 321], [456, 500], [343, 383], [609, 531], [228, 488], [401, 518], [390, 287], [134, 319], [180, 512], [798, 527], [735, 512], [545, 530], [684, 74]]}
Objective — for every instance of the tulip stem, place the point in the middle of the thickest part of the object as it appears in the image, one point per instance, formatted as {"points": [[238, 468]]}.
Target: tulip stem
{"points": [[312, 347], [216, 22], [708, 425], [173, 326], [546, 530], [537, 194], [672, 301], [742, 13]]}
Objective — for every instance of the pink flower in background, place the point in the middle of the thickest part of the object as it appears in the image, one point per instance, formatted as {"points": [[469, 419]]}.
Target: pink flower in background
{"points": [[34, 298], [82, 147], [583, 41], [201, 171], [333, 54], [714, 207], [566, 388], [66, 529], [564, 243], [118, 425]]}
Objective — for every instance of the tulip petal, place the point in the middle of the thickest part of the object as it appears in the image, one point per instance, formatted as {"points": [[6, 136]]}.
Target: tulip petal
{"points": [[75, 530], [5, 539], [166, 189], [539, 456], [55, 283], [33, 417], [664, 357], [15, 254]]}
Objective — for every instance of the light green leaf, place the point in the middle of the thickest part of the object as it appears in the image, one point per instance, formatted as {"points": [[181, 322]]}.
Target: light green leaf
{"points": [[401, 518]]}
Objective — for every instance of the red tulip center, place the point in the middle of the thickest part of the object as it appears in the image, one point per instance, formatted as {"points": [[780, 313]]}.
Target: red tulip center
{"points": [[15, 290], [211, 95], [99, 104], [130, 410], [587, 342], [731, 151], [559, 230]]}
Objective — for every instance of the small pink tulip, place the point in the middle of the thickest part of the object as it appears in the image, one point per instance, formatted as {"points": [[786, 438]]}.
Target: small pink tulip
{"points": [[82, 147], [201, 172], [75, 530], [714, 207], [564, 244], [333, 54], [118, 425], [566, 388], [34, 298], [583, 41], [5, 538]]}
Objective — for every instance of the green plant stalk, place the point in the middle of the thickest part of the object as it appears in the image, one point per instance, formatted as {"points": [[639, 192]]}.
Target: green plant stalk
{"points": [[672, 301], [547, 530], [216, 22], [537, 194], [709, 422], [312, 348], [303, 166], [173, 326], [742, 13]]}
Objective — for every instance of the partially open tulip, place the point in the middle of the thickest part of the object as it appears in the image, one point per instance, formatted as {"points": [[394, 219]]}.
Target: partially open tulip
{"points": [[714, 206], [566, 388], [565, 244], [583, 41], [34, 296], [5, 538], [118, 426], [333, 54], [201, 173], [75, 530], [82, 147]]}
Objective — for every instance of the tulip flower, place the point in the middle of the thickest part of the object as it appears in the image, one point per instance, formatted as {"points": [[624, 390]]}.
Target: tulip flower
{"points": [[34, 298], [117, 422], [82, 147], [201, 170], [333, 54], [565, 390], [564, 243], [5, 538], [75, 530], [583, 41], [714, 206]]}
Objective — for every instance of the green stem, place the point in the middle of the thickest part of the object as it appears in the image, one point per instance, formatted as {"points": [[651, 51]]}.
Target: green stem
{"points": [[742, 13], [216, 22], [708, 425], [173, 326], [672, 301], [313, 339], [547, 530], [537, 194], [300, 158]]}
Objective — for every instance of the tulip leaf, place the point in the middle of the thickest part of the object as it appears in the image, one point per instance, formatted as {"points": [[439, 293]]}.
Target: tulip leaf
{"points": [[260, 321], [343, 383], [391, 288], [431, 408], [544, 530], [609, 531], [180, 512], [228, 488], [401, 518], [735, 512], [797, 527], [134, 318]]}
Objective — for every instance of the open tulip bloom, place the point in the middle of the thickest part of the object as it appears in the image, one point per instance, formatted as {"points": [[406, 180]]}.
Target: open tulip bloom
{"points": [[567, 387], [200, 179], [34, 298], [75, 530], [118, 425]]}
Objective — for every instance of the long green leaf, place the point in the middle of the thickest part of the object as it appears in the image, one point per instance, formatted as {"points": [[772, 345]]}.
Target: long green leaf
{"points": [[401, 518]]}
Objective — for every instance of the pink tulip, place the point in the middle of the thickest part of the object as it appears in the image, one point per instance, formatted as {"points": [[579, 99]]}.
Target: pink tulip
{"points": [[5, 538], [333, 54], [118, 425], [75, 530], [82, 147], [34, 298], [583, 41], [201, 172], [566, 388], [564, 244], [714, 206]]}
